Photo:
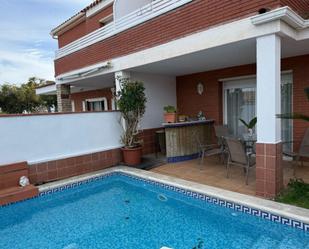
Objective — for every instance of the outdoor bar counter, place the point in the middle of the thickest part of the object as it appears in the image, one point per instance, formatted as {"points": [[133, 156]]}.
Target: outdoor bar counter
{"points": [[181, 141]]}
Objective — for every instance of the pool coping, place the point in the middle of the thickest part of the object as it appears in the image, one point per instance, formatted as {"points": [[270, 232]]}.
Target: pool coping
{"points": [[285, 214]]}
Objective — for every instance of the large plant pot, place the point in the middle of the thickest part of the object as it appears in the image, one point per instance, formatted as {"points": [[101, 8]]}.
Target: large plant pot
{"points": [[132, 156], [170, 117]]}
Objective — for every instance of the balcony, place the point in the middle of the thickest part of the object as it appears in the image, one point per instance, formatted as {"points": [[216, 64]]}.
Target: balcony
{"points": [[141, 15]]}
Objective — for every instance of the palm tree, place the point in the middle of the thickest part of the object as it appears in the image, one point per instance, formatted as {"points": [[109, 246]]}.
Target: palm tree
{"points": [[296, 115]]}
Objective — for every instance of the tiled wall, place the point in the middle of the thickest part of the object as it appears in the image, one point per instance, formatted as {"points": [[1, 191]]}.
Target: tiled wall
{"points": [[269, 171], [10, 174], [64, 168]]}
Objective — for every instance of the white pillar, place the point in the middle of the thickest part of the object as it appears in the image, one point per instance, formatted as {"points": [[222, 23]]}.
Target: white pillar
{"points": [[269, 173], [268, 89]]}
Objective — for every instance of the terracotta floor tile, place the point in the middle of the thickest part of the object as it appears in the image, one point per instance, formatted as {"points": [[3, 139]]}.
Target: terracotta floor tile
{"points": [[213, 173]]}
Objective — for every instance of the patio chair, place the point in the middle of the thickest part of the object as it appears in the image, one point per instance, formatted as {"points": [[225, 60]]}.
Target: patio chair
{"points": [[221, 132], [205, 150], [238, 156], [303, 151]]}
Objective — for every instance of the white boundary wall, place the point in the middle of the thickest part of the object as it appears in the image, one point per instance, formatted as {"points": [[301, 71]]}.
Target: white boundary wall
{"points": [[50, 137], [160, 91]]}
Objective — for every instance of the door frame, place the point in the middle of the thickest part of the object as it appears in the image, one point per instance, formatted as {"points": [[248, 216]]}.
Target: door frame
{"points": [[245, 81], [248, 81]]}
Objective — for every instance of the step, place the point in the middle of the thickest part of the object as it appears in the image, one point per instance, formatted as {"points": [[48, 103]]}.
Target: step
{"points": [[10, 174], [14, 194]]}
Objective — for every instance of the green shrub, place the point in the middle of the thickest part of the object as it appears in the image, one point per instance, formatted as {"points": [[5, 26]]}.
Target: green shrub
{"points": [[296, 193], [131, 102], [169, 109]]}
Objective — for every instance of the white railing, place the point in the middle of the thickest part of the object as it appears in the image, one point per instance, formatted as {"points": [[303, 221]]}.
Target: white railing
{"points": [[40, 138], [149, 11]]}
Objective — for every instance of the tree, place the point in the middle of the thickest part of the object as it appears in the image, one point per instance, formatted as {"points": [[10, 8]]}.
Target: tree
{"points": [[132, 105], [23, 99]]}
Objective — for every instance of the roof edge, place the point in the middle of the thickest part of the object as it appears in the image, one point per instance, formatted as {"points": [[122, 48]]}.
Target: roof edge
{"points": [[72, 20]]}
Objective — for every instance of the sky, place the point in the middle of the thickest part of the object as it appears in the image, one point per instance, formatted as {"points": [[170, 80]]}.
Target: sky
{"points": [[26, 47]]}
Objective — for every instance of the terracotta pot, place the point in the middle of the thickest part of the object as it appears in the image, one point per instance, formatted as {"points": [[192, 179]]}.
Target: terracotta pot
{"points": [[132, 156], [170, 117]]}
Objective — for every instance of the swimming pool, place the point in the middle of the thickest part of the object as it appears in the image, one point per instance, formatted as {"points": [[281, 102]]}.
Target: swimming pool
{"points": [[118, 210]]}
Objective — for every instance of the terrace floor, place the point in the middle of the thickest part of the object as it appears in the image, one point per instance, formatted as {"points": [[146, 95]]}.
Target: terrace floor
{"points": [[213, 173]]}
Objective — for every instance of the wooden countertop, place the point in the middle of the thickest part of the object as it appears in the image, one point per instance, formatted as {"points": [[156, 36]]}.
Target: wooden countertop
{"points": [[187, 123]]}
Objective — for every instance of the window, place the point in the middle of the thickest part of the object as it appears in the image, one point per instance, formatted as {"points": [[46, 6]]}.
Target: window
{"points": [[240, 102], [95, 105]]}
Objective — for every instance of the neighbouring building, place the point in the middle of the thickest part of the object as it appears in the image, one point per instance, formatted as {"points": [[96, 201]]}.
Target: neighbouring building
{"points": [[251, 57]]}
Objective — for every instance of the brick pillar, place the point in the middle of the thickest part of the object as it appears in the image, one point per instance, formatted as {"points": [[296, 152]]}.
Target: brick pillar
{"points": [[63, 98], [269, 173]]}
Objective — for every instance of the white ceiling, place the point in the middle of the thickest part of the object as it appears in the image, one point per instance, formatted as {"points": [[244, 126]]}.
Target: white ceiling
{"points": [[100, 81], [236, 54]]}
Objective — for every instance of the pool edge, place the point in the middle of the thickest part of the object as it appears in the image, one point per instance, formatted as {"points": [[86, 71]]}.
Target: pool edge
{"points": [[277, 212]]}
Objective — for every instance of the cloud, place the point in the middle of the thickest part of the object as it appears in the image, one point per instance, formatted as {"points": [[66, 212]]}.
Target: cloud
{"points": [[18, 66], [26, 48]]}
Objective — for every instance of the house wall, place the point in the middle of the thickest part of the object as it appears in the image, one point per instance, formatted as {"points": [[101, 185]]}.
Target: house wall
{"points": [[58, 146], [189, 102], [90, 24], [78, 98], [191, 18], [160, 91], [41, 138]]}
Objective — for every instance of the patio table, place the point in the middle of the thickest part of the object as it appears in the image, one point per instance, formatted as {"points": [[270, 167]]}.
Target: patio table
{"points": [[248, 141]]}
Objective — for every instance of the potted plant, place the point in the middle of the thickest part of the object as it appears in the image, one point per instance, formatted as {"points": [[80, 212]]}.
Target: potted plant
{"points": [[170, 114], [131, 102], [249, 125]]}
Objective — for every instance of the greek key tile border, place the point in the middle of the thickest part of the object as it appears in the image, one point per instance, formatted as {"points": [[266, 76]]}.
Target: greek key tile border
{"points": [[237, 207], [195, 195]]}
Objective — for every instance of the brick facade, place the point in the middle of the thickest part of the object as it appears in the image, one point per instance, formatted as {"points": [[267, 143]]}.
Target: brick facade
{"points": [[189, 102], [191, 18], [90, 24], [78, 98], [300, 6]]}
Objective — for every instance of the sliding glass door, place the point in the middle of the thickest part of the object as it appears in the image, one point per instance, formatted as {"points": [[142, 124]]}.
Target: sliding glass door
{"points": [[240, 103], [287, 107]]}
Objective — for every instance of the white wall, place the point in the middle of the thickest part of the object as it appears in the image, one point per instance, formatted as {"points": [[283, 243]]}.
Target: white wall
{"points": [[160, 91], [50, 137], [122, 8]]}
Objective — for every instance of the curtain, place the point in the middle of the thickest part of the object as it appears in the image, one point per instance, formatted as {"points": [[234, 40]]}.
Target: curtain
{"points": [[240, 105]]}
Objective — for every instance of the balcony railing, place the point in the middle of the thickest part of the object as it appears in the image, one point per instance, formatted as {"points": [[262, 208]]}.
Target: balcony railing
{"points": [[147, 12]]}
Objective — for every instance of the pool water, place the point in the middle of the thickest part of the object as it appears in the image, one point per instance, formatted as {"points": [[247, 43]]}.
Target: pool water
{"points": [[120, 212]]}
